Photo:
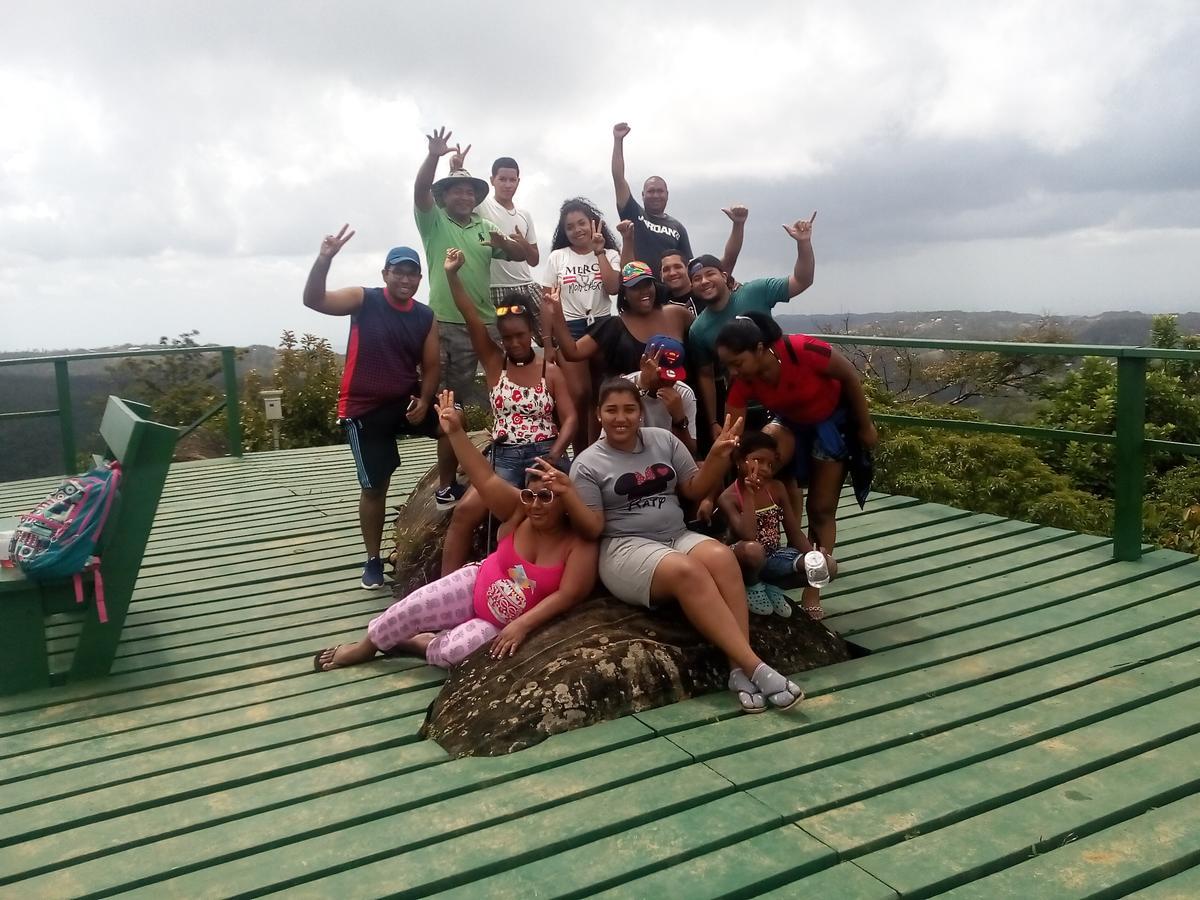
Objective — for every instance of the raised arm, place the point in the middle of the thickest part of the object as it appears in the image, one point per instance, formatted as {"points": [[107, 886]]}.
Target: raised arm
{"points": [[564, 406], [570, 349], [802, 274], [620, 130], [587, 522], [609, 277], [852, 389], [501, 497], [737, 233], [485, 348], [439, 146], [711, 473], [342, 302], [578, 579], [628, 244]]}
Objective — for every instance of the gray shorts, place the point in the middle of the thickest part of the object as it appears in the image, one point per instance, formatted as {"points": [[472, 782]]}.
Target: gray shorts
{"points": [[627, 564], [460, 364]]}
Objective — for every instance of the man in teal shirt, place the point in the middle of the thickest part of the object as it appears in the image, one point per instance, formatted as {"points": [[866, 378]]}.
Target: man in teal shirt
{"points": [[446, 217], [712, 286]]}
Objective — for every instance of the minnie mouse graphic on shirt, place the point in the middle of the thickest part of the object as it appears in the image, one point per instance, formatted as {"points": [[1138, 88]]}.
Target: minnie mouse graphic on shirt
{"points": [[645, 488]]}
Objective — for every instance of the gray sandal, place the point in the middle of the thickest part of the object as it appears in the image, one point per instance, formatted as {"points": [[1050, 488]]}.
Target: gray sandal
{"points": [[780, 691], [748, 695]]}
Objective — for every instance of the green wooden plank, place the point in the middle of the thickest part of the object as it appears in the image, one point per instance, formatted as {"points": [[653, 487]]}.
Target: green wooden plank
{"points": [[1184, 886], [414, 809], [900, 602], [845, 881], [192, 746], [147, 728], [645, 849], [747, 869], [1099, 582], [206, 676], [482, 850], [946, 663], [1120, 859], [1002, 837], [969, 576], [78, 861], [858, 759], [921, 807], [203, 768]]}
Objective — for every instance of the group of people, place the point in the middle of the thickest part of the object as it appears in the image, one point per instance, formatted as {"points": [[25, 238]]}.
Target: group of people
{"points": [[601, 451]]}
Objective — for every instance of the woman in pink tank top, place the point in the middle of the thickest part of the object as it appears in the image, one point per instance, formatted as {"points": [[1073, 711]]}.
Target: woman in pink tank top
{"points": [[541, 569], [534, 415]]}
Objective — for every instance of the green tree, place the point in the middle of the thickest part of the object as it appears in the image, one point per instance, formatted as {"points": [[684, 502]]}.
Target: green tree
{"points": [[309, 374], [179, 387], [1086, 400]]}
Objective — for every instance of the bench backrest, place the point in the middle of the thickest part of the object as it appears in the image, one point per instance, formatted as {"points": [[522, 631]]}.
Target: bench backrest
{"points": [[145, 449]]}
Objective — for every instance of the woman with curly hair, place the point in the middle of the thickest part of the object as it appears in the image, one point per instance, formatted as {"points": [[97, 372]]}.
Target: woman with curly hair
{"points": [[584, 269]]}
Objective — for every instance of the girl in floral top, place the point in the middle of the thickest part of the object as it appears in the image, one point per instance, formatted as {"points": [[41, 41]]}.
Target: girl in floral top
{"points": [[534, 414]]}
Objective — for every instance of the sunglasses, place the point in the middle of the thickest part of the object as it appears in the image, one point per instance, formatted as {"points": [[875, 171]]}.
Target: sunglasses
{"points": [[517, 310], [528, 497]]}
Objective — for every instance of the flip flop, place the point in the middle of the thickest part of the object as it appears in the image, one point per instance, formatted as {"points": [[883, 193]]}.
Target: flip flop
{"points": [[317, 658]]}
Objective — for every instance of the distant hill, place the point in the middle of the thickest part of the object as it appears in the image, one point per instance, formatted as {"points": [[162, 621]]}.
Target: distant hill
{"points": [[1129, 328], [30, 447]]}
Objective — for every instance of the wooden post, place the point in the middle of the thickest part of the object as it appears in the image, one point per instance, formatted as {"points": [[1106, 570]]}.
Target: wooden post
{"points": [[1130, 458], [66, 418]]}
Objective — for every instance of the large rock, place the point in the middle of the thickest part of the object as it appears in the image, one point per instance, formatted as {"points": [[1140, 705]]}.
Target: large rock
{"points": [[602, 660]]}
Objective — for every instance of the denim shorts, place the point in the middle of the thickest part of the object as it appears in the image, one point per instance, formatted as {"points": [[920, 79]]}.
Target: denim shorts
{"points": [[781, 565], [511, 460], [580, 327]]}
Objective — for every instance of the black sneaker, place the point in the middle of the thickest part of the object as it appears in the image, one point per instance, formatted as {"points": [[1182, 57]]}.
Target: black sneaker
{"points": [[372, 577], [447, 498]]}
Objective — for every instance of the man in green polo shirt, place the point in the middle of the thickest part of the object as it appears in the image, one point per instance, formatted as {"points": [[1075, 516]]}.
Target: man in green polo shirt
{"points": [[712, 286], [446, 217]]}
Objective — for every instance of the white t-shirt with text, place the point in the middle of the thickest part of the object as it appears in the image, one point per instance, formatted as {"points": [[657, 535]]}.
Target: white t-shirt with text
{"points": [[580, 289]]}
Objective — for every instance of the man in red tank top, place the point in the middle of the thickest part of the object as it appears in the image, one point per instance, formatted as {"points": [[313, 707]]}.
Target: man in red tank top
{"points": [[392, 368]]}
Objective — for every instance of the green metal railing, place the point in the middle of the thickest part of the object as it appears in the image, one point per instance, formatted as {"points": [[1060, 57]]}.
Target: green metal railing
{"points": [[66, 421], [1130, 438]]}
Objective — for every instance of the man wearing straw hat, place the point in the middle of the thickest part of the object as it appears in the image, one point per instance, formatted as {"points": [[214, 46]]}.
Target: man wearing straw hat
{"points": [[446, 217]]}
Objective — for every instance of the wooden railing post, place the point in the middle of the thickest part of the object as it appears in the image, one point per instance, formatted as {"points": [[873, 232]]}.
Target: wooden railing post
{"points": [[66, 417], [233, 410], [1129, 477]]}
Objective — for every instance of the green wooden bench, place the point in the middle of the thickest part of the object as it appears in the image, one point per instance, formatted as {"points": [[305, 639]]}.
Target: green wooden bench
{"points": [[144, 449]]}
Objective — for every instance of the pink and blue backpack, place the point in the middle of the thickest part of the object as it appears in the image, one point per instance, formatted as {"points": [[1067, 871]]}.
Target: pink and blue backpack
{"points": [[58, 538]]}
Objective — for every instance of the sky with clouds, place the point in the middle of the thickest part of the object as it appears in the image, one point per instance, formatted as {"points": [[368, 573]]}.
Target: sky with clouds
{"points": [[165, 166]]}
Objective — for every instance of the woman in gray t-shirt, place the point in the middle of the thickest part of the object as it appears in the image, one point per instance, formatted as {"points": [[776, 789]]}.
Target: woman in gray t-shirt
{"points": [[627, 489]]}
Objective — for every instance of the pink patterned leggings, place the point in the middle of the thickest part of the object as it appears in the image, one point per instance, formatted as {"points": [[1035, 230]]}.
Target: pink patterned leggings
{"points": [[445, 606]]}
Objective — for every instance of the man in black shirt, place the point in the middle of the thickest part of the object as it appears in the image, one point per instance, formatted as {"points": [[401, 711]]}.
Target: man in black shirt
{"points": [[654, 231]]}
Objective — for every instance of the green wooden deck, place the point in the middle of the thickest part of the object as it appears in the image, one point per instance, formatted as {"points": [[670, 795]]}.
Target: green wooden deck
{"points": [[1024, 726]]}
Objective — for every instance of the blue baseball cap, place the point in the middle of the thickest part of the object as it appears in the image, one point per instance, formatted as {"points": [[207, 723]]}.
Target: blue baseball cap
{"points": [[670, 361], [399, 255]]}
